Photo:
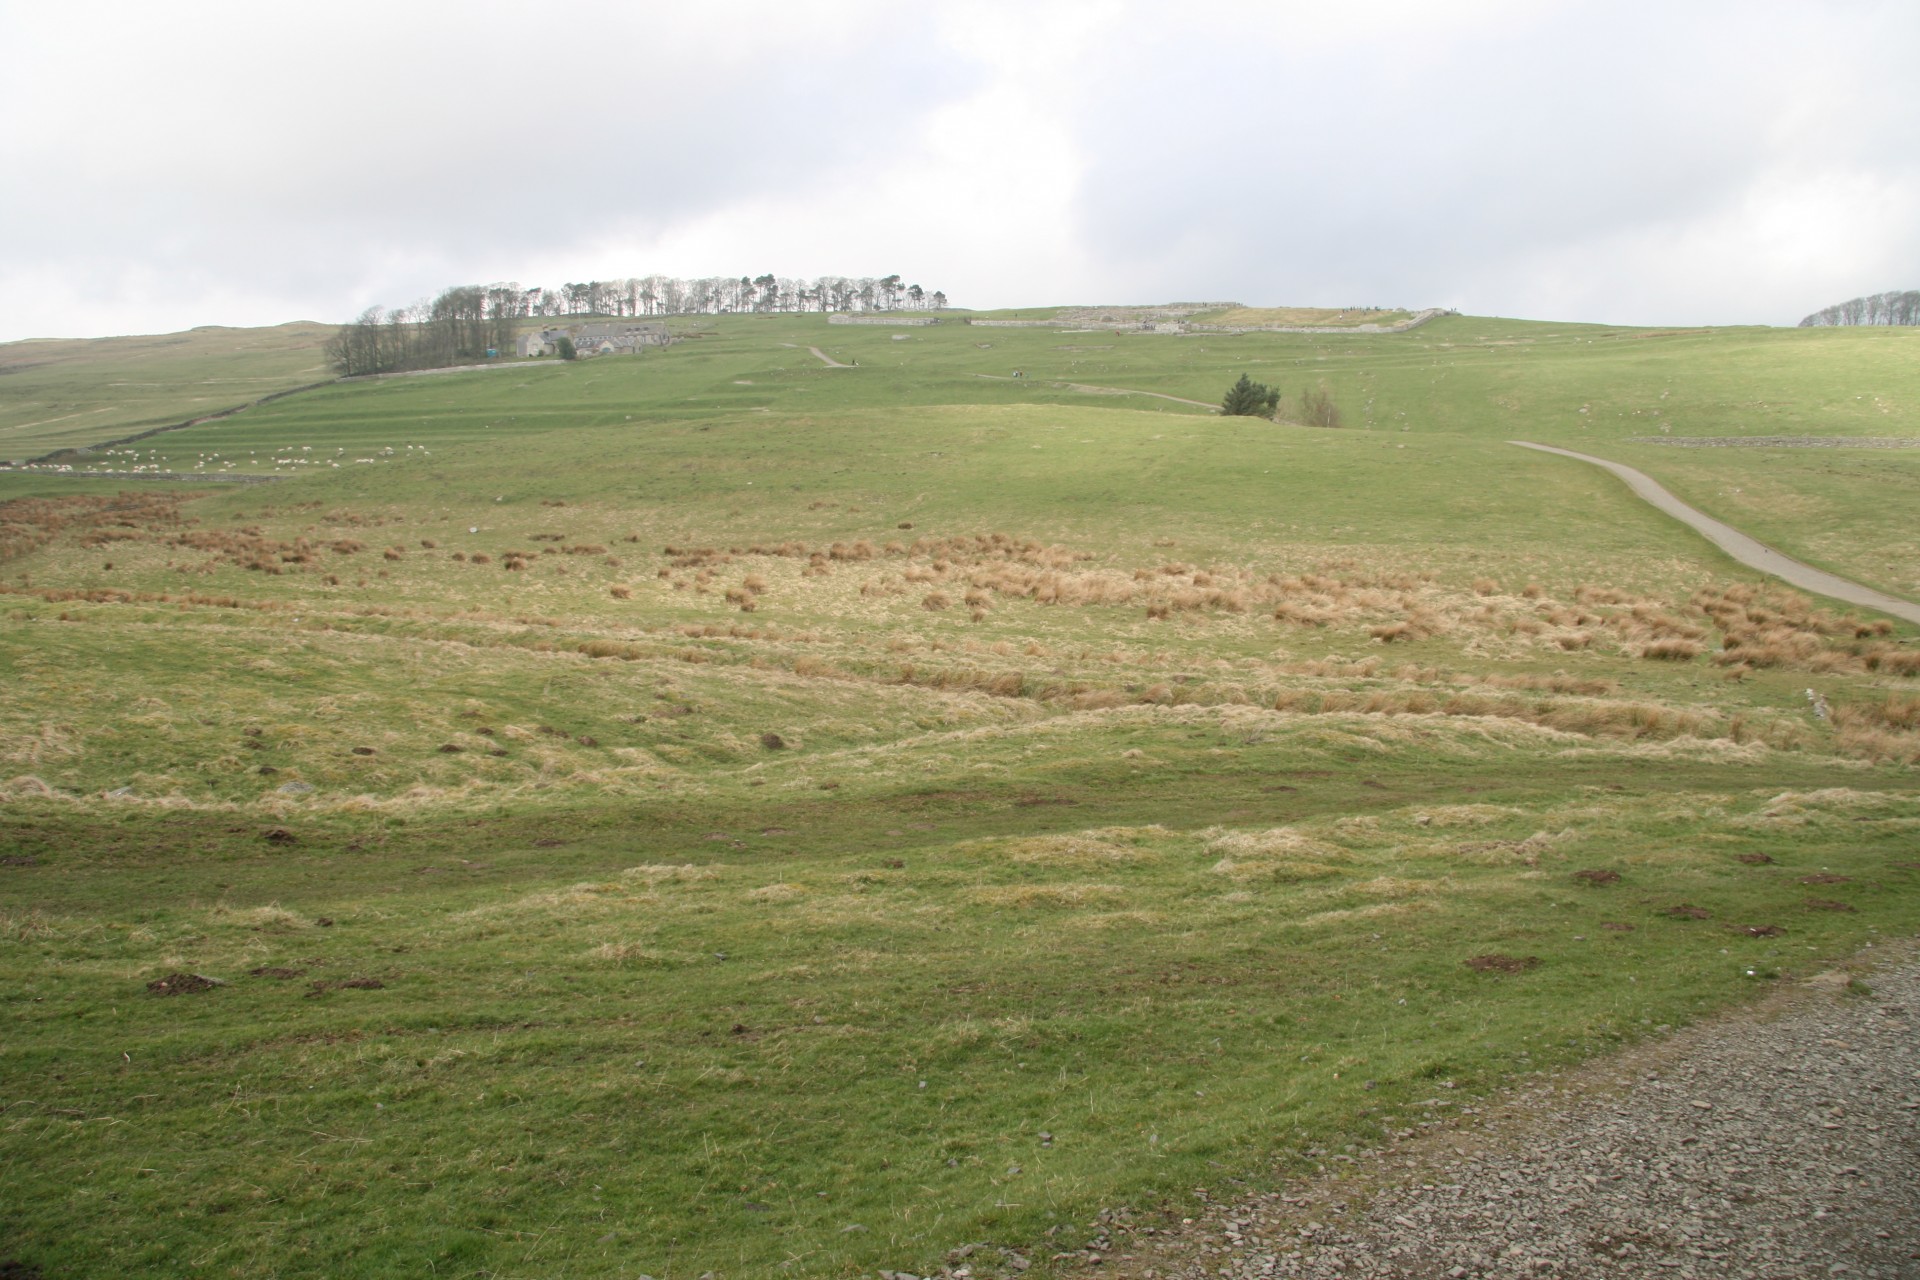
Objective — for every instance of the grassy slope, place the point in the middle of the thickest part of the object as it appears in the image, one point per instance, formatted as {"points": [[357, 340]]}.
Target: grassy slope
{"points": [[658, 996], [71, 393]]}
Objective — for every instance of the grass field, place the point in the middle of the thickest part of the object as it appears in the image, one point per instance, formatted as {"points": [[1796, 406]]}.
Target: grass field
{"points": [[712, 811], [70, 393]]}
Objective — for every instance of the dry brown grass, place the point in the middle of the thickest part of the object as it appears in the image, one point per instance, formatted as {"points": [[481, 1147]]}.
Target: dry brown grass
{"points": [[1101, 847], [1672, 649], [655, 874], [1040, 896], [1888, 730]]}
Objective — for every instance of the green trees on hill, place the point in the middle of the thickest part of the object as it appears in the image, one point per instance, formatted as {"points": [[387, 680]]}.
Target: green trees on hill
{"points": [[459, 325], [467, 322], [1249, 399]]}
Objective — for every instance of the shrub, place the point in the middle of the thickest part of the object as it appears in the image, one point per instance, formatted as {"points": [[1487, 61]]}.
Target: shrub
{"points": [[1317, 409]]}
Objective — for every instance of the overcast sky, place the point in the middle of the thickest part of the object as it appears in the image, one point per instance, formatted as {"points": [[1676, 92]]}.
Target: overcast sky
{"points": [[164, 166]]}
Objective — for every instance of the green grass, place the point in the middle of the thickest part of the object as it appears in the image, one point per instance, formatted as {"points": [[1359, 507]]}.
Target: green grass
{"points": [[1150, 792], [646, 1048], [72, 393], [1588, 387]]}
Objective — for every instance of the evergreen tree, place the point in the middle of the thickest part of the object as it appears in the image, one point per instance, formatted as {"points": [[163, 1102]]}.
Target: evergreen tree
{"points": [[1249, 399]]}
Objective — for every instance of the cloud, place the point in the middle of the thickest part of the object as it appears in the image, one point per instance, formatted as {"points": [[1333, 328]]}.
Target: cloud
{"points": [[1515, 162], [216, 162], [370, 151]]}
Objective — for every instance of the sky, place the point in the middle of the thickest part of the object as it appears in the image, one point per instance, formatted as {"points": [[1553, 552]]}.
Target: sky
{"points": [[1706, 162]]}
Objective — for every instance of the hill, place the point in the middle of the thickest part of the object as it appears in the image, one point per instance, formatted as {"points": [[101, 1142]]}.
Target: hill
{"points": [[61, 393], [739, 804]]}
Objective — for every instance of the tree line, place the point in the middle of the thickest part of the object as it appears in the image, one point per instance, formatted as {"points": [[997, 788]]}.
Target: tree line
{"points": [[1897, 307], [466, 322]]}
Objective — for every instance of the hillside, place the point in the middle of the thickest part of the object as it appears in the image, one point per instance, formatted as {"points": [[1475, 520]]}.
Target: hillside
{"points": [[62, 393], [813, 797]]}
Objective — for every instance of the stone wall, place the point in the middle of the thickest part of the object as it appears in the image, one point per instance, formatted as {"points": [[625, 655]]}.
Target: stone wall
{"points": [[895, 321]]}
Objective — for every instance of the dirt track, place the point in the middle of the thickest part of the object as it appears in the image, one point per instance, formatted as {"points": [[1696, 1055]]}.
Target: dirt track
{"points": [[1747, 551], [1089, 389], [1776, 1144]]}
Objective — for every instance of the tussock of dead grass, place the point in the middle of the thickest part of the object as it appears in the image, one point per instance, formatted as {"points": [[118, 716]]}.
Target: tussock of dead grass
{"points": [[1395, 887], [1283, 870], [1036, 896], [1105, 846], [575, 899], [779, 892], [1525, 852], [1117, 920], [1671, 649], [31, 925], [272, 918], [1464, 815], [1274, 844], [1885, 730], [659, 873], [1809, 808], [39, 744]]}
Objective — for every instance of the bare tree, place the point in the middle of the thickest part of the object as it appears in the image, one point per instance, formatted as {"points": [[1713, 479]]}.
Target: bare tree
{"points": [[1901, 307]]}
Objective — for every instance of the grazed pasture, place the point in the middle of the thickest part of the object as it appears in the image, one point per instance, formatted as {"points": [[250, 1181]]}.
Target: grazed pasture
{"points": [[714, 811]]}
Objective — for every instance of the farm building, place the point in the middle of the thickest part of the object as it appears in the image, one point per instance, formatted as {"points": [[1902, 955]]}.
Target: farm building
{"points": [[607, 339]]}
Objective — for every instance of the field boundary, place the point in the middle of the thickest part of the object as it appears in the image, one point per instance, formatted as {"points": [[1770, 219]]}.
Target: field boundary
{"points": [[1747, 550], [59, 454]]}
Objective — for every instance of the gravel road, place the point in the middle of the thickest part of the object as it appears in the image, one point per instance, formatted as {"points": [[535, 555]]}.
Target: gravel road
{"points": [[1779, 1144], [1746, 550]]}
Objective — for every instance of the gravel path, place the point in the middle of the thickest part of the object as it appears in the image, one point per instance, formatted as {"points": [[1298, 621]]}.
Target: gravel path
{"points": [[1778, 1144], [1747, 551]]}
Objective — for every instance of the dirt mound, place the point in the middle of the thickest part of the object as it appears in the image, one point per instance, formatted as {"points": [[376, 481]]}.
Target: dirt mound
{"points": [[1687, 911], [1826, 904], [1756, 859], [345, 984], [1503, 964], [1826, 877], [180, 984], [1597, 877]]}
